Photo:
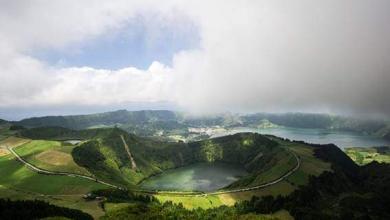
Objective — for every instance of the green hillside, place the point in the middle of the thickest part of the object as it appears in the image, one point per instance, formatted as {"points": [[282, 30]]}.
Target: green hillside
{"points": [[105, 155], [345, 192], [169, 124], [364, 156], [324, 186], [50, 155], [139, 122]]}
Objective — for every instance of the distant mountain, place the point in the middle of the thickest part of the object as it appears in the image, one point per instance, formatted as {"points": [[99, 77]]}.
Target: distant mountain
{"points": [[100, 119], [149, 123], [139, 122], [3, 121], [325, 121]]}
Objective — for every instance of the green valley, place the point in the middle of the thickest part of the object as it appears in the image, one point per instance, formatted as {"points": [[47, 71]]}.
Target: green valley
{"points": [[195, 110], [274, 168]]}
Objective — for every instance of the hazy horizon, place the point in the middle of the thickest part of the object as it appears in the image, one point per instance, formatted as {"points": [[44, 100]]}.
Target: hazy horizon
{"points": [[13, 115]]}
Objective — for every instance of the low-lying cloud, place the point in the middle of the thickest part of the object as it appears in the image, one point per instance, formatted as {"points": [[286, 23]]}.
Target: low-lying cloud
{"points": [[328, 56]]}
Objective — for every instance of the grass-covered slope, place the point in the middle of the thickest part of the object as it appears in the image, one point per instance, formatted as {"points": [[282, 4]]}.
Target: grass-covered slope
{"points": [[363, 156], [106, 157], [140, 122], [15, 175], [61, 133], [50, 155], [345, 192]]}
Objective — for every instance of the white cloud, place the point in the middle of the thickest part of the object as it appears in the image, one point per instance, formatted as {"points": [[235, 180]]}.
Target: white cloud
{"points": [[103, 87], [253, 56]]}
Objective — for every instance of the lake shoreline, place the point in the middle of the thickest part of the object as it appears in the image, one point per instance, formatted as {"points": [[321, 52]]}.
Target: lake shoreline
{"points": [[194, 177]]}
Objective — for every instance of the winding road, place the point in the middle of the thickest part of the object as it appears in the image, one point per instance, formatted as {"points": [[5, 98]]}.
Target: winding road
{"points": [[265, 184], [178, 193], [47, 172]]}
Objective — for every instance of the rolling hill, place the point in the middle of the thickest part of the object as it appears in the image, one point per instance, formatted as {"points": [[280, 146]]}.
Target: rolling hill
{"points": [[326, 185], [107, 158], [151, 123]]}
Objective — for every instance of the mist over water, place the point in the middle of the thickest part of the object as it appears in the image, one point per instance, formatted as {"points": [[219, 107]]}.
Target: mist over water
{"points": [[342, 139]]}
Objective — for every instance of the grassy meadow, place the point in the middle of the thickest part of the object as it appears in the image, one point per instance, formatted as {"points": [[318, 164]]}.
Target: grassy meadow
{"points": [[363, 156], [17, 182], [50, 155]]}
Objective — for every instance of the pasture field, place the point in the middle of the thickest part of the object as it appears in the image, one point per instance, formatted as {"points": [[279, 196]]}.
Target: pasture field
{"points": [[19, 182], [363, 156], [310, 165], [17, 176], [10, 142], [286, 162], [13, 141], [281, 188], [193, 202], [3, 152], [50, 155]]}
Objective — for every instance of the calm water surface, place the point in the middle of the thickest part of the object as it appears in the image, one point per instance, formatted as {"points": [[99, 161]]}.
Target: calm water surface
{"points": [[318, 136], [204, 177]]}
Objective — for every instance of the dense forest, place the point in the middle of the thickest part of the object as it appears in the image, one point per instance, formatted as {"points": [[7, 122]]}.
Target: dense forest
{"points": [[35, 209]]}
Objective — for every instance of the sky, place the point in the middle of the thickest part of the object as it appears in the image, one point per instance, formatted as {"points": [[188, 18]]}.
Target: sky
{"points": [[71, 57]]}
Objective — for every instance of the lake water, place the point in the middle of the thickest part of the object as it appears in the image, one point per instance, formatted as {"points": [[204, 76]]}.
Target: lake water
{"points": [[203, 177], [318, 136]]}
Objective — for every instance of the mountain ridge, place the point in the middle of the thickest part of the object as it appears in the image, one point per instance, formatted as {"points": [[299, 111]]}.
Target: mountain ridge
{"points": [[151, 122]]}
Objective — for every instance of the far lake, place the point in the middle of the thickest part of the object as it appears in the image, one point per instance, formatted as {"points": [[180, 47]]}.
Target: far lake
{"points": [[318, 136], [204, 177]]}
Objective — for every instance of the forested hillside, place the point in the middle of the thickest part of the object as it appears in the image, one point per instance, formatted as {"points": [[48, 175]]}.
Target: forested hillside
{"points": [[106, 157], [347, 192], [149, 123]]}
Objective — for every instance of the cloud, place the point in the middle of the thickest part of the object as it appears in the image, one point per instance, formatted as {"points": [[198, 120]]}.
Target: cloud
{"points": [[331, 56], [104, 87]]}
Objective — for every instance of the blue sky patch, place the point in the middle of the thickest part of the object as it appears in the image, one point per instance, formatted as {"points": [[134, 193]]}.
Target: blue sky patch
{"points": [[137, 44]]}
